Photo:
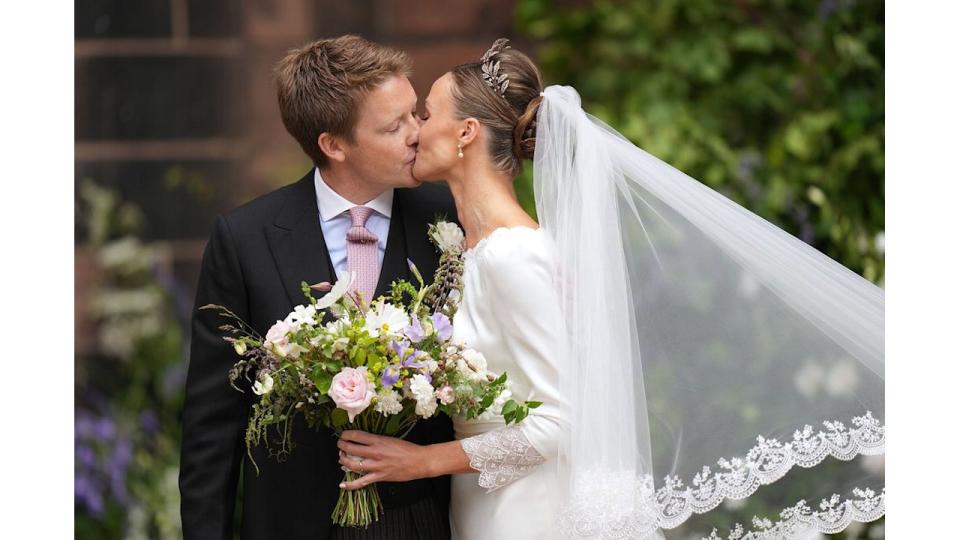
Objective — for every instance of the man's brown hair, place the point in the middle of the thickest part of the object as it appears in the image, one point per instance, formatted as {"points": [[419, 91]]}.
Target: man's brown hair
{"points": [[320, 86]]}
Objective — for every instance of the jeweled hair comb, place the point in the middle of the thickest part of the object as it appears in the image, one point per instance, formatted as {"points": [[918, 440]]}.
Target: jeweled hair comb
{"points": [[491, 68]]}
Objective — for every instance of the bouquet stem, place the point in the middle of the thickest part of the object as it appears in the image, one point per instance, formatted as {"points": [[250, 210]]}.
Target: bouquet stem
{"points": [[357, 508]]}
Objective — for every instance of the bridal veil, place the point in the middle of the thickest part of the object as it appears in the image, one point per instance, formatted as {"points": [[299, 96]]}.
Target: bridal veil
{"points": [[720, 373]]}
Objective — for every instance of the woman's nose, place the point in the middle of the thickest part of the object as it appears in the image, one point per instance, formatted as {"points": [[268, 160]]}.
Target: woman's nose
{"points": [[415, 135]]}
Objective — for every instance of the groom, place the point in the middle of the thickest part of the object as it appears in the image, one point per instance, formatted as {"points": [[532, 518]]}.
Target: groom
{"points": [[349, 104]]}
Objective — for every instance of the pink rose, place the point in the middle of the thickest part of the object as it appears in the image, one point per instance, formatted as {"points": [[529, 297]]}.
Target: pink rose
{"points": [[277, 340], [351, 390], [277, 335], [445, 394]]}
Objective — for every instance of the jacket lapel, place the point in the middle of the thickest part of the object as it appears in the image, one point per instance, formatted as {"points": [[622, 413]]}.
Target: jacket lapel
{"points": [[419, 249], [395, 257], [300, 252], [296, 241]]}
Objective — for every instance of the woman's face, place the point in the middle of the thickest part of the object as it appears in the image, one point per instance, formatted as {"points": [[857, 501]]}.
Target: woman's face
{"points": [[439, 132]]}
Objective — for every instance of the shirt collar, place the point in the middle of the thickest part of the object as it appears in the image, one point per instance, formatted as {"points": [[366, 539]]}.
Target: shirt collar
{"points": [[332, 204]]}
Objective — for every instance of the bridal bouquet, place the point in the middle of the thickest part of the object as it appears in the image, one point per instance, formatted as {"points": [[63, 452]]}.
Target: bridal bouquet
{"points": [[344, 364]]}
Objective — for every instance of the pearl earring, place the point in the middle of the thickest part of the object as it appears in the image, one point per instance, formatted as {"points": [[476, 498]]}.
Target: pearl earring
{"points": [[460, 151]]}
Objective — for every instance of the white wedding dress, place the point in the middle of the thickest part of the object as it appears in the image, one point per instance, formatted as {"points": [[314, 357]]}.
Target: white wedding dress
{"points": [[510, 312]]}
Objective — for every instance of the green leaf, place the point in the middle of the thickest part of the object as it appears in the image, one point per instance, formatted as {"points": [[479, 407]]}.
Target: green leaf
{"points": [[339, 418], [753, 39], [322, 381], [487, 400], [393, 425], [305, 288]]}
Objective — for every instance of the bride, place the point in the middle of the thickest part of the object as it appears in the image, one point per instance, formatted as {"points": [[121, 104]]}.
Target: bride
{"points": [[699, 368]]}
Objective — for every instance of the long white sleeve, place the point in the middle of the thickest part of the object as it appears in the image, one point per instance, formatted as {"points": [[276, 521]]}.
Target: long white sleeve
{"points": [[518, 275]]}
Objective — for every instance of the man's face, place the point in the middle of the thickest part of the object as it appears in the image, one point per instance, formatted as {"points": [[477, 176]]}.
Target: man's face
{"points": [[386, 136]]}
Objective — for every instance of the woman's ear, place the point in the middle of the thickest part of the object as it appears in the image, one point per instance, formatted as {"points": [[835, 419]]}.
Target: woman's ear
{"points": [[469, 131], [331, 147]]}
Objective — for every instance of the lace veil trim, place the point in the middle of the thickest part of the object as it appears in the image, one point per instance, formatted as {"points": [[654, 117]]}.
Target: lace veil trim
{"points": [[622, 504]]}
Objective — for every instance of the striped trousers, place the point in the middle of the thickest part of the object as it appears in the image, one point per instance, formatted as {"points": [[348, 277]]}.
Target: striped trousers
{"points": [[422, 520]]}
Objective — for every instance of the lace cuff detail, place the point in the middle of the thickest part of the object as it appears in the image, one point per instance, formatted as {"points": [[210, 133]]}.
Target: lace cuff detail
{"points": [[501, 456]]}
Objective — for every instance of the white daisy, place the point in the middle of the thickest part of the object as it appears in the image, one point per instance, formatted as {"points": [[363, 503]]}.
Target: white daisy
{"points": [[386, 319]]}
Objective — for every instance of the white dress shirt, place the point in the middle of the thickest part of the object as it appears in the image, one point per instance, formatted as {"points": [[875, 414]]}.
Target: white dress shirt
{"points": [[335, 220]]}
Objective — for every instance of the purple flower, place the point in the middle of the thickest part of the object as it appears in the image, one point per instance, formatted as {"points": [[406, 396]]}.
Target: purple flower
{"points": [[414, 271], [414, 331], [149, 421], [117, 469], [86, 456], [399, 346], [85, 492], [411, 361], [83, 426], [827, 8], [442, 326], [104, 429], [390, 376], [407, 360]]}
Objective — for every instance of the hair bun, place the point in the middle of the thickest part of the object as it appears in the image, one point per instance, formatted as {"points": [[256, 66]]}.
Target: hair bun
{"points": [[525, 134]]}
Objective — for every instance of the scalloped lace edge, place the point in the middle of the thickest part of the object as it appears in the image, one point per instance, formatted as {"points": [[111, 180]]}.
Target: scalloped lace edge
{"points": [[620, 504], [799, 521], [768, 461]]}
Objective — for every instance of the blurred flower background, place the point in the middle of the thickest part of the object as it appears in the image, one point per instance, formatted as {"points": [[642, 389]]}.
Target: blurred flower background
{"points": [[777, 104]]}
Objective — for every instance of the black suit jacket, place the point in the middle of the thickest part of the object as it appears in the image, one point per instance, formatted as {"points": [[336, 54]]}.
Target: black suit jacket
{"points": [[253, 264]]}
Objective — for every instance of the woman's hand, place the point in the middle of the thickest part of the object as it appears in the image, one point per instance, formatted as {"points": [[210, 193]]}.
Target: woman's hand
{"points": [[381, 459], [389, 459]]}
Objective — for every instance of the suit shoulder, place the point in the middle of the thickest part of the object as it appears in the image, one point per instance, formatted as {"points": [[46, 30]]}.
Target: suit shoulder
{"points": [[263, 209]]}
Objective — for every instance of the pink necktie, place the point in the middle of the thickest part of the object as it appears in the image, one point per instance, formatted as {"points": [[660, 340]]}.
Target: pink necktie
{"points": [[362, 254]]}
